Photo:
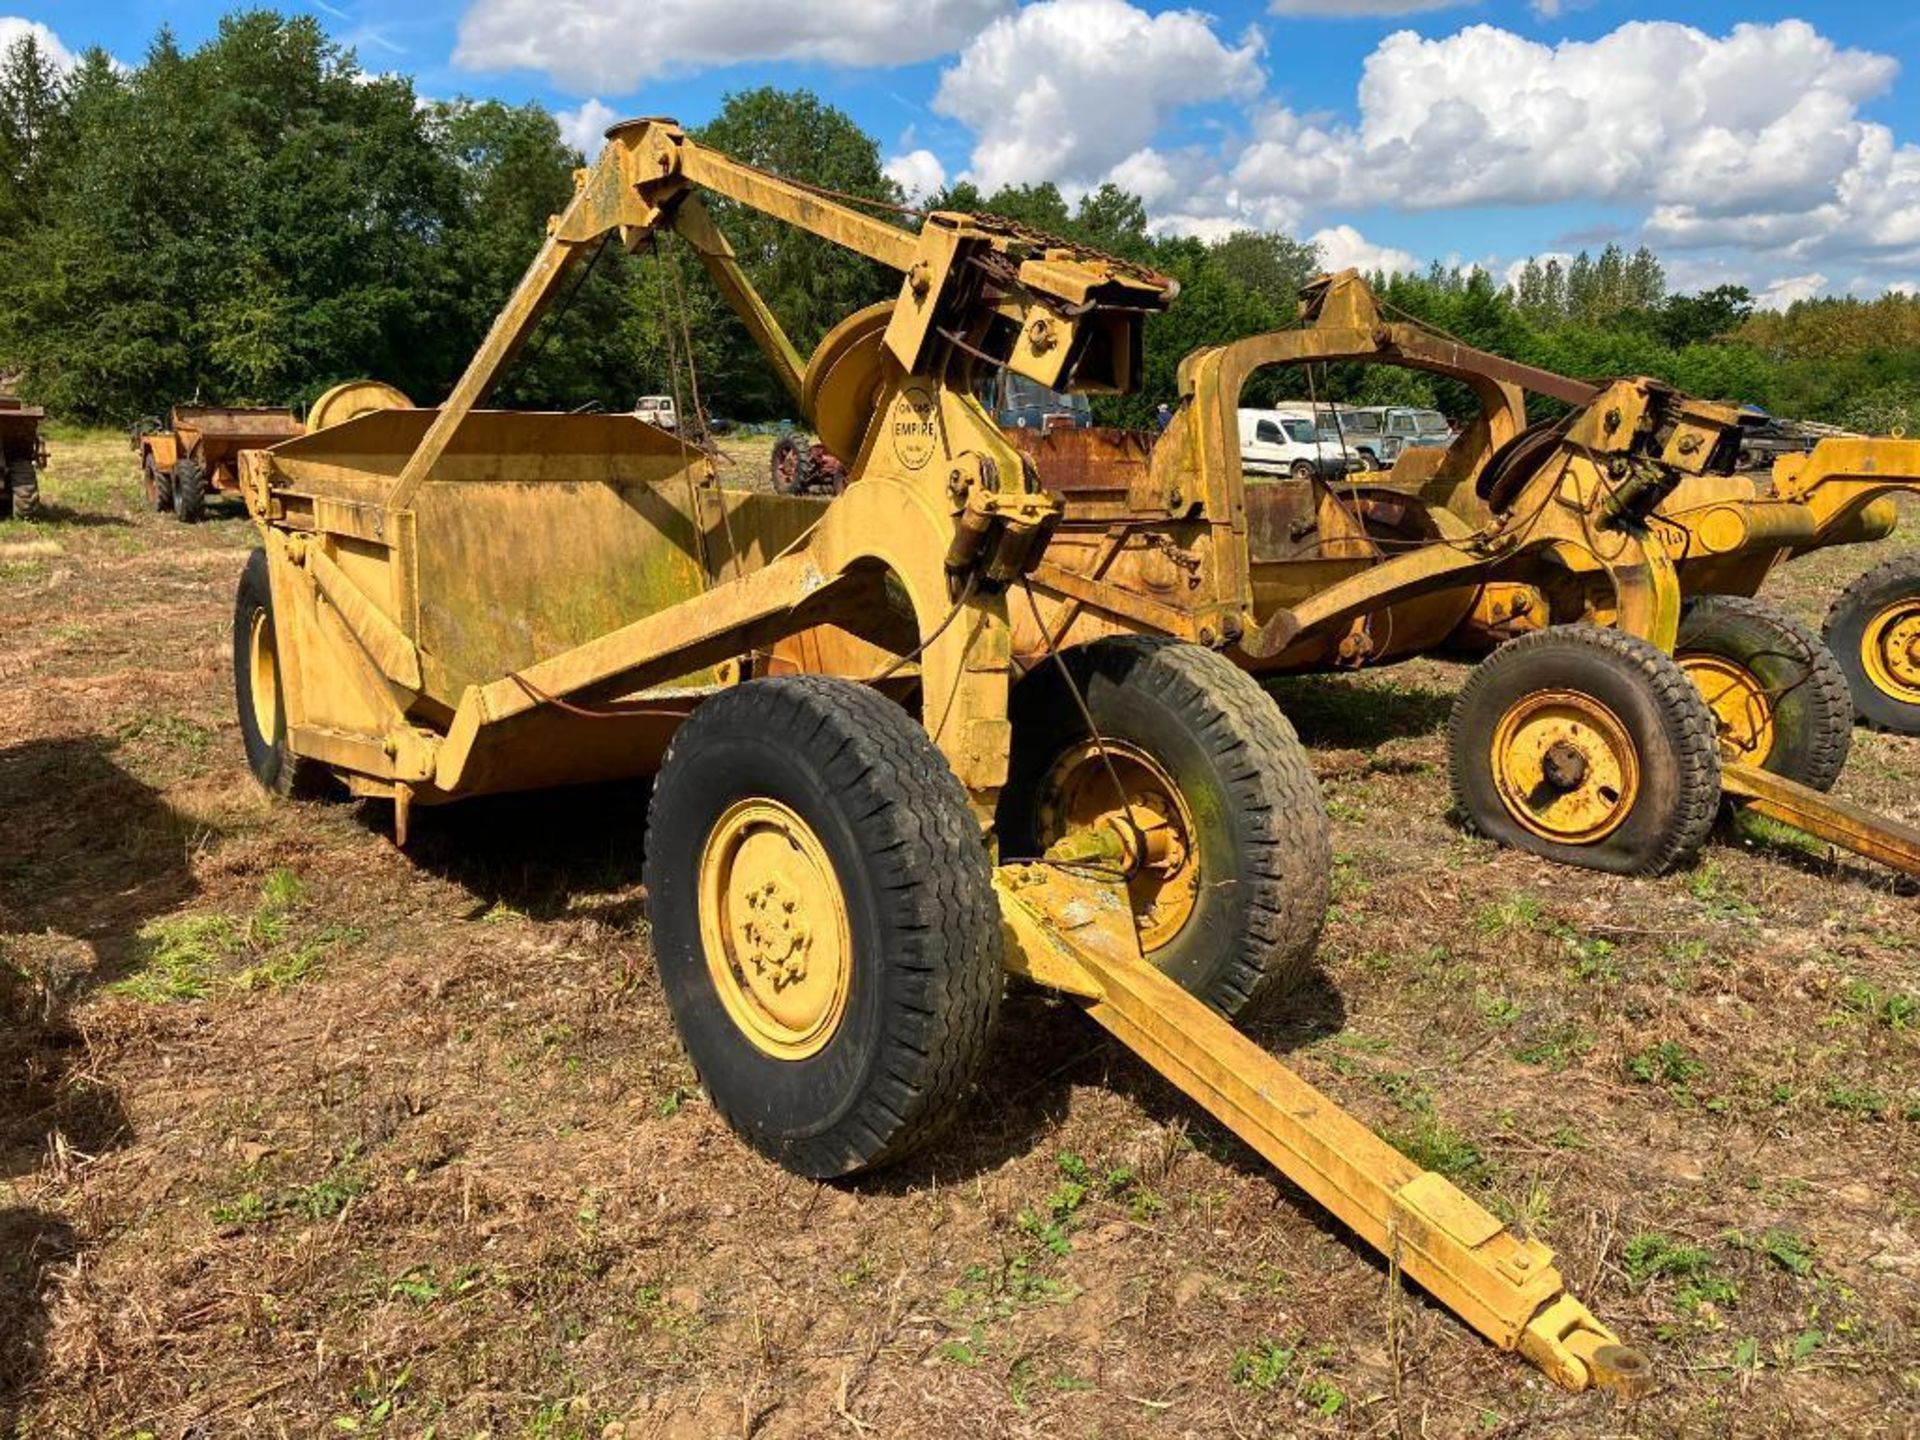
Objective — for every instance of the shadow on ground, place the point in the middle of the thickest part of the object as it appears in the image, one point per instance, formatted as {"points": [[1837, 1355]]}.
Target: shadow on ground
{"points": [[91, 855], [69, 518], [1348, 713], [572, 852], [91, 852], [1045, 1046], [32, 1243], [1819, 858]]}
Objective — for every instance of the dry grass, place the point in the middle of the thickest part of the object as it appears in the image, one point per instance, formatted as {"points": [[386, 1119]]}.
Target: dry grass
{"points": [[306, 1136]]}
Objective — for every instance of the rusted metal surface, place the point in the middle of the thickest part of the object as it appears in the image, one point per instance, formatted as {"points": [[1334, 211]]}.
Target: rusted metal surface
{"points": [[570, 586], [1072, 459], [23, 452], [20, 437], [213, 436]]}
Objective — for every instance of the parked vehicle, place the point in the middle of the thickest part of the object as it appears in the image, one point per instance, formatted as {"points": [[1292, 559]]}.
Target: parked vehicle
{"points": [[196, 452], [1379, 434], [1281, 441], [1765, 438], [1018, 403], [658, 410], [801, 465], [23, 453]]}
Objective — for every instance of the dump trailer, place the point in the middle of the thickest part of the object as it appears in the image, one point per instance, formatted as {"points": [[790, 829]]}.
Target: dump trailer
{"points": [[195, 453], [1613, 712], [453, 601], [23, 455]]}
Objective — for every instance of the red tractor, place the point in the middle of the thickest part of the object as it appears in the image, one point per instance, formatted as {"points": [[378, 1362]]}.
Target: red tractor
{"points": [[802, 466]]}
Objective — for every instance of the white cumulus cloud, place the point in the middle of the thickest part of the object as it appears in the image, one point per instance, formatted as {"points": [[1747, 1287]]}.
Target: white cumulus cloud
{"points": [[1064, 90], [585, 128], [1344, 248], [1511, 275], [14, 29], [1652, 112], [1789, 288], [918, 173], [1698, 134], [1342, 9], [611, 46]]}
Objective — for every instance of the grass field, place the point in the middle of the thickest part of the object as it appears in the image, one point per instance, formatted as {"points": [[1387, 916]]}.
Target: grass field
{"points": [[304, 1135]]}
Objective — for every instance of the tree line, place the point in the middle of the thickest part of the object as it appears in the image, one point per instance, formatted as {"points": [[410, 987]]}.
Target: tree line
{"points": [[254, 219]]}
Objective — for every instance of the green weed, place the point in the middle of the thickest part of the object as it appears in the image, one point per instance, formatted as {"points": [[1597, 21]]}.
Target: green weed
{"points": [[181, 954], [1668, 1064], [1261, 1366], [1519, 911], [1650, 1255]]}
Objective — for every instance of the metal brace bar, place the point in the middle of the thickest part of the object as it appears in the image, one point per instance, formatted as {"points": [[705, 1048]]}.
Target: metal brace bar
{"points": [[1850, 826], [1077, 935]]}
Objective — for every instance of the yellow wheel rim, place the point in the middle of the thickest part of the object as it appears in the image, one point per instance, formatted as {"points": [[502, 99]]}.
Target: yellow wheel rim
{"points": [[1742, 707], [1152, 838], [773, 922], [263, 674], [1890, 650], [1565, 767]]}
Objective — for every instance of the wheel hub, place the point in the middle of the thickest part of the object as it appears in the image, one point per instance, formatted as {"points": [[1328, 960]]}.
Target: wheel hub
{"points": [[774, 925], [1743, 712], [1565, 766], [774, 937], [1143, 828], [263, 674], [1891, 649]]}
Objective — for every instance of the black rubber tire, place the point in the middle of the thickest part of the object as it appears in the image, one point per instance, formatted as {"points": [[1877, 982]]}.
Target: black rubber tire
{"points": [[159, 485], [1886, 584], [925, 925], [273, 764], [6, 497], [1668, 723], [1266, 855], [189, 490], [788, 466], [1812, 707], [1302, 470], [23, 485]]}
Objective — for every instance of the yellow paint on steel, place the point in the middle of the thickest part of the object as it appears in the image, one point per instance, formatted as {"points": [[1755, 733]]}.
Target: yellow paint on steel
{"points": [[1152, 837], [464, 504], [1073, 933], [263, 673], [773, 923], [354, 397], [1565, 766], [1890, 650], [1826, 816], [1742, 706]]}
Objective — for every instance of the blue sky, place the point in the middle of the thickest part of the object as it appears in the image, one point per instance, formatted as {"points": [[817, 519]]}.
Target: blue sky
{"points": [[1774, 145]]}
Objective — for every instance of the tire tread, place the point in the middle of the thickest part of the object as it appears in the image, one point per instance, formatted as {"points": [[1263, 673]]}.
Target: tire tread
{"points": [[931, 873], [1697, 756], [1866, 593]]}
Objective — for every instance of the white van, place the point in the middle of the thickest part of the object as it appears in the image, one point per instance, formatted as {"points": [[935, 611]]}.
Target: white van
{"points": [[658, 410], [1286, 442]]}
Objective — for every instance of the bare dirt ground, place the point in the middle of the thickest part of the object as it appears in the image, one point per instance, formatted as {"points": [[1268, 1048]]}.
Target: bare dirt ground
{"points": [[302, 1135]]}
